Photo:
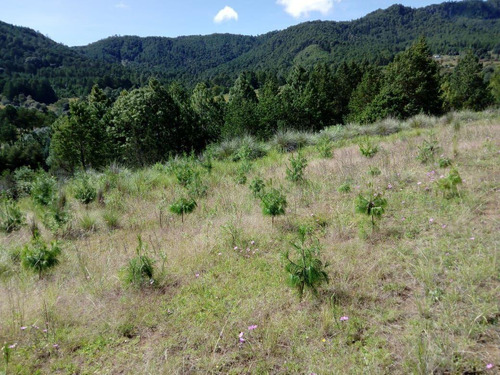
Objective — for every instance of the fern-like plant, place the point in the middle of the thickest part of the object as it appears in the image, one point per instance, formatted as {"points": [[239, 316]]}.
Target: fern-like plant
{"points": [[273, 203], [40, 257], [11, 217], [373, 206], [306, 270], [183, 206], [295, 172], [449, 185]]}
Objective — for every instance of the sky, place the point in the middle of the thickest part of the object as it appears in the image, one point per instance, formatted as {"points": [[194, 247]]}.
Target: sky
{"points": [[80, 22]]}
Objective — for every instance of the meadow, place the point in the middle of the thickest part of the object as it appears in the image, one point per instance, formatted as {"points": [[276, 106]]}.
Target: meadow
{"points": [[139, 289]]}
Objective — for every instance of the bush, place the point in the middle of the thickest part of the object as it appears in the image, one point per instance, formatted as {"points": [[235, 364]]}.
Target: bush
{"points": [[257, 186], [11, 217], [291, 141], [373, 206], [24, 178], [85, 191], [307, 271], [43, 189], [140, 270], [368, 148], [183, 206], [295, 172], [273, 203], [40, 257]]}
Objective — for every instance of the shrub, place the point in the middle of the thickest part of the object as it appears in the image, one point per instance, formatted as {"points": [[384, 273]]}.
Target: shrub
{"points": [[449, 185], [85, 191], [183, 206], [184, 173], [295, 172], [112, 219], [140, 270], [291, 141], [427, 151], [11, 217], [24, 178], [257, 186], [325, 147], [43, 189], [368, 148], [273, 203], [373, 206], [307, 271], [40, 257]]}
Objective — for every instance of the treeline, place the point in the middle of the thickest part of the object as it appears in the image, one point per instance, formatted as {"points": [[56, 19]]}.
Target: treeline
{"points": [[149, 124]]}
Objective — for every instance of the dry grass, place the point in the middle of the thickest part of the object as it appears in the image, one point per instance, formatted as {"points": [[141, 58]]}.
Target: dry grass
{"points": [[422, 297]]}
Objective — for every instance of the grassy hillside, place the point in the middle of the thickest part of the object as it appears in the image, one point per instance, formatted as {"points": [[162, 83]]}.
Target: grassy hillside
{"points": [[419, 293]]}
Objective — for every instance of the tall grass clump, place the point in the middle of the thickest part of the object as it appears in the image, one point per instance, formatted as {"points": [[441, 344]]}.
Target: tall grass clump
{"points": [[238, 148], [298, 164], [290, 141], [140, 270], [40, 257], [11, 217]]}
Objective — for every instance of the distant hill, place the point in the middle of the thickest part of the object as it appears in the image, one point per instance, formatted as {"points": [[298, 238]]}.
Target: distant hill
{"points": [[129, 60]]}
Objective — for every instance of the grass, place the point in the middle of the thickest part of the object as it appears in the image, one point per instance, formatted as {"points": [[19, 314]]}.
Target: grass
{"points": [[421, 291]]}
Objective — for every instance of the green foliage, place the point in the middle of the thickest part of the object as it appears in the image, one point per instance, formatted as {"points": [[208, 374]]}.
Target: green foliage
{"points": [[43, 189], [196, 187], [325, 147], [39, 257], [257, 186], [307, 271], [374, 171], [241, 173], [368, 148], [495, 85], [183, 206], [24, 178], [428, 150], [444, 162], [449, 185], [111, 219], [140, 270], [465, 87], [184, 173], [84, 189], [373, 205], [11, 217], [295, 172], [273, 203], [344, 188]]}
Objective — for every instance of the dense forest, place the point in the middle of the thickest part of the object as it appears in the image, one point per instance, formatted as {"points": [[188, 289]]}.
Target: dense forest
{"points": [[32, 64]]}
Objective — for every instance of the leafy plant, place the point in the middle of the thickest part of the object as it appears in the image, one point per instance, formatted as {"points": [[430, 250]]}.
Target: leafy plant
{"points": [[273, 203], [307, 271], [11, 217], [449, 185], [373, 206], [295, 172], [43, 189], [140, 270], [257, 186], [444, 162], [241, 173], [374, 171], [85, 191], [40, 257], [325, 147], [428, 150], [196, 187], [24, 178], [184, 173], [368, 148], [183, 206]]}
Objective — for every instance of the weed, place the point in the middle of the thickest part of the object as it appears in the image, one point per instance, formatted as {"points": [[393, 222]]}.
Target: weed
{"points": [[325, 147], [295, 172], [374, 171], [428, 150], [444, 162], [373, 205], [11, 217], [40, 257], [43, 189], [85, 191], [140, 270], [257, 186], [344, 188], [368, 148], [449, 185]]}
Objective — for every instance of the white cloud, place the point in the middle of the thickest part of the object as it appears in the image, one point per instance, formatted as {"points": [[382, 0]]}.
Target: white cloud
{"points": [[226, 14], [121, 5], [298, 8]]}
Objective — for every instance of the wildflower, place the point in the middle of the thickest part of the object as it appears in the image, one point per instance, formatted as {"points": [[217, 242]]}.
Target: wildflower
{"points": [[252, 327], [324, 340], [23, 328], [45, 330], [219, 254], [403, 218], [12, 346], [419, 183], [389, 186], [489, 366], [236, 248], [252, 243], [197, 275], [472, 238], [344, 318], [431, 220], [241, 337], [55, 346], [444, 226]]}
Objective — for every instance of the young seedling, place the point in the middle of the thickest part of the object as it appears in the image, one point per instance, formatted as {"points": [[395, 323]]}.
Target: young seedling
{"points": [[140, 270], [373, 206], [295, 172], [273, 204], [449, 185], [307, 271], [183, 206], [40, 257], [368, 148], [257, 186]]}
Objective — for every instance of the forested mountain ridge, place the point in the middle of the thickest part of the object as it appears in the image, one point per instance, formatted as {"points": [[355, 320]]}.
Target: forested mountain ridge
{"points": [[32, 64], [449, 28]]}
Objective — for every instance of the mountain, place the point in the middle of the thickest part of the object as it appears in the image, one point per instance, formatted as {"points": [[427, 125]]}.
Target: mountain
{"points": [[29, 58], [449, 27]]}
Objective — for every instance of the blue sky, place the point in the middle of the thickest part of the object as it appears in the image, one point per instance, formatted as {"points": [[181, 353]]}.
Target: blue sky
{"points": [[79, 22]]}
